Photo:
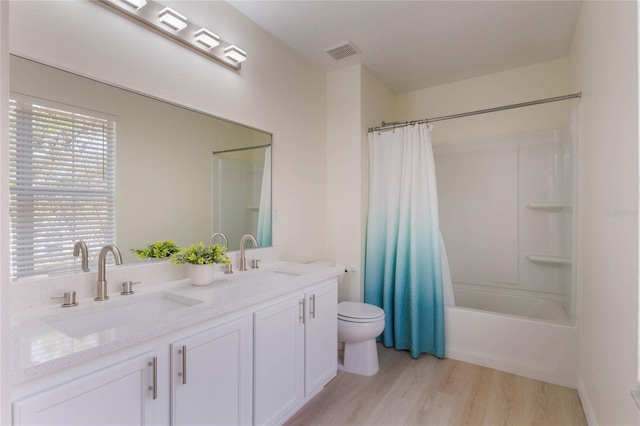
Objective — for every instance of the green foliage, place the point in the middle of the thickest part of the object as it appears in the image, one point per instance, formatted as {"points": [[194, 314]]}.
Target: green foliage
{"points": [[199, 254], [157, 250]]}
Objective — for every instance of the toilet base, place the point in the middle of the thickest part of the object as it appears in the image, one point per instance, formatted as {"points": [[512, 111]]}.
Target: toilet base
{"points": [[360, 358]]}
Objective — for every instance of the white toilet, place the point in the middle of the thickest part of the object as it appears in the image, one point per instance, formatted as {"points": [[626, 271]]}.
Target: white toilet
{"points": [[358, 326]]}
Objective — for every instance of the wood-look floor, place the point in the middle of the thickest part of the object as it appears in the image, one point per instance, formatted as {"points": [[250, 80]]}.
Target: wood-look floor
{"points": [[431, 391]]}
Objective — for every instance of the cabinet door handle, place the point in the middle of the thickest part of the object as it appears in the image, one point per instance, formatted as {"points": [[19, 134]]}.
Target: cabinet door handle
{"points": [[302, 310], [183, 374], [154, 387], [313, 306]]}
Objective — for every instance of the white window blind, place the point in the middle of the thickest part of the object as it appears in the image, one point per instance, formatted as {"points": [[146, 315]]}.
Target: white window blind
{"points": [[62, 183]]}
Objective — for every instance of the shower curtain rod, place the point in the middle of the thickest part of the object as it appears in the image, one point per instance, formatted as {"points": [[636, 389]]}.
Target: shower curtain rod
{"points": [[242, 149], [395, 124]]}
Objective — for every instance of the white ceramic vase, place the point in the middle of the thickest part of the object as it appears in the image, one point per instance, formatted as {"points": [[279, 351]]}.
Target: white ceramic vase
{"points": [[202, 275]]}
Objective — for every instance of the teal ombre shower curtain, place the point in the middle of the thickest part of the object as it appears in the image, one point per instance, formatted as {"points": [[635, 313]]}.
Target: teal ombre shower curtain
{"points": [[403, 269], [264, 212]]}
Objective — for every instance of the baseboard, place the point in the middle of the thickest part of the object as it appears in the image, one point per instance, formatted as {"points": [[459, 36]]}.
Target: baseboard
{"points": [[586, 404], [553, 377]]}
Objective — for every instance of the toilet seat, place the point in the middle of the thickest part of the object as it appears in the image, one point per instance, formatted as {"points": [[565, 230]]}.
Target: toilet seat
{"points": [[359, 312], [358, 326]]}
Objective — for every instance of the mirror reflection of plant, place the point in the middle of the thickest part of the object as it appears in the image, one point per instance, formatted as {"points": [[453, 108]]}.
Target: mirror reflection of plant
{"points": [[157, 250], [199, 254]]}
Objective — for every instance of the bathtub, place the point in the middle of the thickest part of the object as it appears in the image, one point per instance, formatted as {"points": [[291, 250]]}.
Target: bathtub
{"points": [[528, 336], [502, 301]]}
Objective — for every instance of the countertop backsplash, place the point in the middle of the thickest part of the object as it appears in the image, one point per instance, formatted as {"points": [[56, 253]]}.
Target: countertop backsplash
{"points": [[37, 291]]}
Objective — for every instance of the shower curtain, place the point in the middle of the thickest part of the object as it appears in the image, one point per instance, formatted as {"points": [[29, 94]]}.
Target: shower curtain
{"points": [[403, 261], [264, 212]]}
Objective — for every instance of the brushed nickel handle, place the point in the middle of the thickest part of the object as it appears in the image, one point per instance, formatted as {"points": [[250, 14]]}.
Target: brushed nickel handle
{"points": [[183, 374], [127, 287], [302, 310], [154, 387], [313, 306], [69, 299]]}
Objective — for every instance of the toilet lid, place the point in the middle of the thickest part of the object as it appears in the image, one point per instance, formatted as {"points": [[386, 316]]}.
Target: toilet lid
{"points": [[357, 310]]}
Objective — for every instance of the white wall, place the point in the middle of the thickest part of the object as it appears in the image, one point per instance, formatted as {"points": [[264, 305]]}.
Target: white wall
{"points": [[5, 408], [355, 101], [343, 175], [276, 91], [523, 84], [604, 66]]}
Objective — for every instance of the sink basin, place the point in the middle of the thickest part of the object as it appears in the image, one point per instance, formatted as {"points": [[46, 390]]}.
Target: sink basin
{"points": [[127, 313], [287, 273], [268, 277]]}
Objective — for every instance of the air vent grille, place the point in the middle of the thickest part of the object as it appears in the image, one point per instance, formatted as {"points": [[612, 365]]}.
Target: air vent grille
{"points": [[342, 50]]}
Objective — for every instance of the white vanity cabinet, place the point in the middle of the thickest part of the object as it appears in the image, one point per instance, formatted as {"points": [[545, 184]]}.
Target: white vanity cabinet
{"points": [[295, 352], [201, 375], [321, 338], [258, 364], [278, 360], [118, 394], [211, 376]]}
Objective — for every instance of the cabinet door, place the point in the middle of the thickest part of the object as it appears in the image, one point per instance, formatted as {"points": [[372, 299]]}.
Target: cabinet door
{"points": [[211, 376], [278, 360], [321, 338], [121, 394]]}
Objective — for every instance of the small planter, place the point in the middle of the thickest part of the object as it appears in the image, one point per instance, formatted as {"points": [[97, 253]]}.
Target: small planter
{"points": [[202, 261], [202, 275]]}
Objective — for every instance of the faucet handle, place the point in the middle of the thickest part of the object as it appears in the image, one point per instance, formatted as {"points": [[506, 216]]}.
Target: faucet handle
{"points": [[127, 287], [228, 269], [69, 299], [254, 263]]}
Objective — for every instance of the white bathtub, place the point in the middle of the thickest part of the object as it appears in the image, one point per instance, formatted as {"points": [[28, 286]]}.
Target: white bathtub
{"points": [[511, 303], [544, 347]]}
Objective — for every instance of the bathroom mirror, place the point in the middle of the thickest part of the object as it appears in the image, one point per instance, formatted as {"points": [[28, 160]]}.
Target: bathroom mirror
{"points": [[169, 182]]}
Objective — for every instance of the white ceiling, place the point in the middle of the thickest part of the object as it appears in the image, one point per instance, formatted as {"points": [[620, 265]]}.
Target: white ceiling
{"points": [[411, 45]]}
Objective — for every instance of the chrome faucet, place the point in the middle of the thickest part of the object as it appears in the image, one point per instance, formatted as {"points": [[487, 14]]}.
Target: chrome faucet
{"points": [[243, 259], [80, 248], [102, 268], [221, 235]]}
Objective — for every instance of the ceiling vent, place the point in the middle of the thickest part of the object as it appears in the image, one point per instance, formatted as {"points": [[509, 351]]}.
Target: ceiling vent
{"points": [[342, 50]]}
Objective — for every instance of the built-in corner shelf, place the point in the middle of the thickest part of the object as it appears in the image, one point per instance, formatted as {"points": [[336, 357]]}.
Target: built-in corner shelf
{"points": [[547, 258], [549, 205]]}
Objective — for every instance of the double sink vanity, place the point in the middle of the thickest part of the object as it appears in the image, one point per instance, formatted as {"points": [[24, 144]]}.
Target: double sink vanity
{"points": [[252, 348]]}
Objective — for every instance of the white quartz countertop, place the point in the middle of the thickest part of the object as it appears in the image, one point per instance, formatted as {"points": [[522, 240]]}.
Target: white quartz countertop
{"points": [[39, 347]]}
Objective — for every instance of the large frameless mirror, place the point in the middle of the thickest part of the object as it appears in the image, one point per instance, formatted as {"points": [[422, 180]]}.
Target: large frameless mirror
{"points": [[179, 174]]}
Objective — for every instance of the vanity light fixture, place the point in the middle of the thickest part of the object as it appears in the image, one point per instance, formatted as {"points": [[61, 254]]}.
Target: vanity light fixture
{"points": [[207, 38], [235, 54], [176, 26], [136, 4], [172, 19]]}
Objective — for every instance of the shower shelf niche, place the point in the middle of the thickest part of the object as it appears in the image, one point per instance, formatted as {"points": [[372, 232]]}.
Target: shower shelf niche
{"points": [[549, 205], [547, 258]]}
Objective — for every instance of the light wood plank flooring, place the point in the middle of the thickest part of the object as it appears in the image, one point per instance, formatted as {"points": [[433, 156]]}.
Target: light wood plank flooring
{"points": [[431, 391]]}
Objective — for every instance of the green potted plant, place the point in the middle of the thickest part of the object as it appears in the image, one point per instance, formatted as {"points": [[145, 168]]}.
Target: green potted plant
{"points": [[201, 260], [157, 250]]}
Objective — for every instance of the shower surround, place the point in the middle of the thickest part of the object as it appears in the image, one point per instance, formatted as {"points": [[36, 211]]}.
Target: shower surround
{"points": [[507, 217]]}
